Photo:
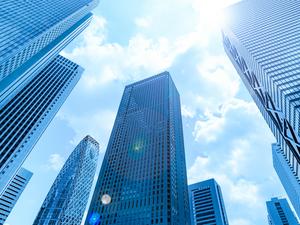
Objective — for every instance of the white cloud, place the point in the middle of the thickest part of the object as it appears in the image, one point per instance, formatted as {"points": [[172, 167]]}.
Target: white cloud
{"points": [[239, 193], [187, 112], [238, 156], [142, 22], [218, 73], [244, 191], [55, 162], [97, 124], [208, 127], [240, 221], [106, 62], [211, 124]]}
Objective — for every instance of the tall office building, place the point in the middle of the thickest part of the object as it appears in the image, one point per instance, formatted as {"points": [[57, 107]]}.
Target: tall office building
{"points": [[280, 213], [13, 192], [33, 33], [68, 196], [263, 42], [206, 203], [25, 116], [143, 174], [34, 79]]}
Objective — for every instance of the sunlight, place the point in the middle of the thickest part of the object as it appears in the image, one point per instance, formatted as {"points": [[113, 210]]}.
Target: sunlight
{"points": [[211, 12]]}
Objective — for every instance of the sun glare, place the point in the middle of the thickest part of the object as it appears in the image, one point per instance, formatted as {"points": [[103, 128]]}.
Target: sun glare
{"points": [[211, 12]]}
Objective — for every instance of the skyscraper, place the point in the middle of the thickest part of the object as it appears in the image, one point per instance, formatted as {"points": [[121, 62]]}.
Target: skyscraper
{"points": [[206, 203], [34, 79], [13, 192], [68, 196], [33, 33], [143, 175], [262, 41], [280, 213], [25, 115]]}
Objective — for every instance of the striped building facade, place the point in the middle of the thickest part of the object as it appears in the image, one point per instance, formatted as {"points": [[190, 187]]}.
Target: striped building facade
{"points": [[263, 42], [280, 213], [207, 204], [13, 192], [34, 79], [26, 114]]}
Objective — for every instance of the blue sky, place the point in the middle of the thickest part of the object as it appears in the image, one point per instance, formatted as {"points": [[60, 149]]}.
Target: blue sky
{"points": [[225, 135]]}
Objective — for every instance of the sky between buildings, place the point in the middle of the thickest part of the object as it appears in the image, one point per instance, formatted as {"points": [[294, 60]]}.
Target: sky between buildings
{"points": [[225, 135]]}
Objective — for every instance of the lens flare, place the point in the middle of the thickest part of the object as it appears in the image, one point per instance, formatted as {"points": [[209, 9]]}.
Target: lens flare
{"points": [[106, 199], [94, 219]]}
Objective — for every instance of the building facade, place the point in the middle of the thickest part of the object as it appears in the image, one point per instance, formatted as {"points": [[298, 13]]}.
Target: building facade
{"points": [[206, 203], [262, 41], [143, 174], [67, 199], [34, 79], [290, 184], [33, 33], [25, 116], [13, 192], [280, 213]]}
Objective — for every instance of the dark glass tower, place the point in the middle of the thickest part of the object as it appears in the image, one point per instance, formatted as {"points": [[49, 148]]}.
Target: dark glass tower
{"points": [[68, 196], [143, 176], [263, 42], [206, 203]]}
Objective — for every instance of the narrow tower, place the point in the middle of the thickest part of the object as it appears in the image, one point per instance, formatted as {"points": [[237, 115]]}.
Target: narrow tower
{"points": [[12, 193], [68, 196], [280, 213], [143, 175], [206, 203]]}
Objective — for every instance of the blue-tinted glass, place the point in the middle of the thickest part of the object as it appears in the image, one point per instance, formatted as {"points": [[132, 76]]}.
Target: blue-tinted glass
{"points": [[12, 192], [263, 42], [68, 196], [206, 203], [279, 212], [143, 175]]}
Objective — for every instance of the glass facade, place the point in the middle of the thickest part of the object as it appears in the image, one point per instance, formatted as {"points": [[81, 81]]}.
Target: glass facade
{"points": [[25, 115], [143, 175], [34, 79], [13, 192], [286, 176], [263, 42], [206, 203], [280, 213], [34, 32], [68, 196]]}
